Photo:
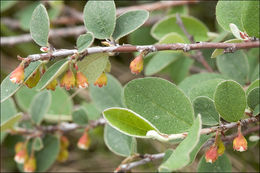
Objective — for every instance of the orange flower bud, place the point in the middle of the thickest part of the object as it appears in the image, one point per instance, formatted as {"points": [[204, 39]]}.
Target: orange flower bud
{"points": [[136, 66], [17, 76], [30, 165], [101, 81], [81, 80], [68, 80], [63, 155], [64, 142], [211, 154], [52, 85], [19, 146], [240, 143], [21, 155], [84, 141], [34, 79]]}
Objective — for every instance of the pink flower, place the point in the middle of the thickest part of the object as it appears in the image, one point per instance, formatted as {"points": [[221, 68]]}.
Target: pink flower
{"points": [[240, 143], [81, 80], [211, 154], [17, 76], [101, 81], [84, 141], [68, 80], [136, 66]]}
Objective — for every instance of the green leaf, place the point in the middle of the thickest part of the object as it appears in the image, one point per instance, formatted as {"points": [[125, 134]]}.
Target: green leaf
{"points": [[118, 142], [182, 9], [234, 65], [52, 73], [187, 84], [253, 98], [222, 164], [129, 22], [39, 106], [47, 156], [40, 25], [112, 91], [229, 12], [206, 108], [160, 61], [181, 155], [79, 116], [171, 38], [168, 25], [84, 41], [92, 111], [5, 5], [37, 144], [253, 61], [8, 124], [230, 101], [26, 14], [141, 36], [161, 103], [8, 88], [206, 88], [92, 66], [256, 110], [8, 109], [61, 107], [100, 18], [250, 17], [253, 85], [179, 69], [218, 52], [24, 97], [128, 122]]}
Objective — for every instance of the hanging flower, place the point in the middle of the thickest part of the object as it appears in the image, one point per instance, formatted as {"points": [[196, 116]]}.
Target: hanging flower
{"points": [[30, 164], [63, 155], [21, 155], [68, 80], [221, 146], [84, 141], [136, 66], [240, 143], [101, 81], [17, 76], [211, 154], [81, 80], [52, 85], [64, 142]]}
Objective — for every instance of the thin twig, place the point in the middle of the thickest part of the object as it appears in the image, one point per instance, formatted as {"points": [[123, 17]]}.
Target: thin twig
{"points": [[150, 48], [150, 157], [199, 56]]}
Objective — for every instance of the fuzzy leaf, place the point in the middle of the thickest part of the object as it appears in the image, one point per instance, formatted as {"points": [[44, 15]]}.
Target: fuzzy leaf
{"points": [[40, 25], [37, 144], [119, 143], [79, 116], [128, 122], [100, 18], [8, 124], [129, 22], [8, 110], [253, 98], [161, 103], [22, 101], [84, 41], [253, 85], [230, 101]]}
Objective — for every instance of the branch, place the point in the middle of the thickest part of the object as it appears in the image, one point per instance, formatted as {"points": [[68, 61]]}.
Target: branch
{"points": [[150, 48], [78, 17], [199, 56], [150, 157]]}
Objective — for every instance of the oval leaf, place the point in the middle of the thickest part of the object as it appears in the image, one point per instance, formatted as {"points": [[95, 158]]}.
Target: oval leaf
{"points": [[253, 98], [8, 110], [230, 101], [93, 66], [129, 22], [118, 142], [253, 85], [229, 12], [39, 106], [234, 65], [100, 18], [8, 124], [40, 25], [37, 144], [52, 73], [8, 88], [180, 157], [161, 103], [222, 164], [79, 116], [206, 108], [113, 91], [84, 41], [22, 101], [128, 122], [168, 25]]}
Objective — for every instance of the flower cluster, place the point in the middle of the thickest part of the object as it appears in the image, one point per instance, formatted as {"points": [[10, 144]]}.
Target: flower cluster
{"points": [[64, 153]]}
